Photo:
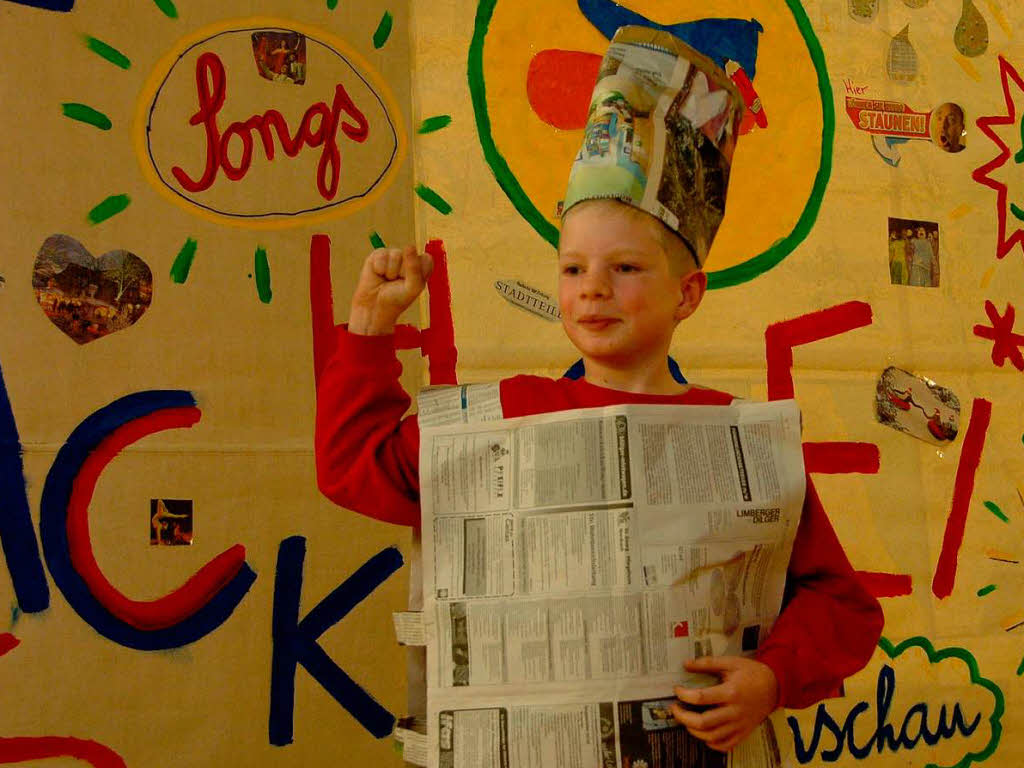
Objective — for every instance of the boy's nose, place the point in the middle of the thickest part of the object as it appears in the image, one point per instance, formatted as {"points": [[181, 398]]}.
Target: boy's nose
{"points": [[595, 283]]}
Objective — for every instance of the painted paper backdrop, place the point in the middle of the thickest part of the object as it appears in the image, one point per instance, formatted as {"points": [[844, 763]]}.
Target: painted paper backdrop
{"points": [[189, 192]]}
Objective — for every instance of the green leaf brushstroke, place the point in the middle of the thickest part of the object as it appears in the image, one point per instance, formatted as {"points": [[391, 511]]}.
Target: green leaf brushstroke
{"points": [[435, 123], [112, 206], [183, 262], [383, 30], [86, 114], [262, 270], [108, 52], [431, 197]]}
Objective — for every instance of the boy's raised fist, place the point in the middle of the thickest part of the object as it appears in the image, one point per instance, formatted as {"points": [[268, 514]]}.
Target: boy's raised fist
{"points": [[391, 280]]}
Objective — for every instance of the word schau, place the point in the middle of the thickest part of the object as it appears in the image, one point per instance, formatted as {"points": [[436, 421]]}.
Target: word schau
{"points": [[916, 726]]}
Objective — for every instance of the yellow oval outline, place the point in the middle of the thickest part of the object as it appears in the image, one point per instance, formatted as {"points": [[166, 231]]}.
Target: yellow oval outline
{"points": [[169, 59]]}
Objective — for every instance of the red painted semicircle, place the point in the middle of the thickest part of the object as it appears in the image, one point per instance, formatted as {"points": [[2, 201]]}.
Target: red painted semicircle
{"points": [[22, 749], [559, 84]]}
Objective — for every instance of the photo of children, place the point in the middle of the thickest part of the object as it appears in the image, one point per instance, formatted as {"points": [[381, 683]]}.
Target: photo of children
{"points": [[917, 406], [913, 252], [86, 297], [280, 56], [170, 522]]}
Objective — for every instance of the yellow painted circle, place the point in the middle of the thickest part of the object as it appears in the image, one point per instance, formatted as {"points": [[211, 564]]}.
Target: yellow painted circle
{"points": [[773, 170]]}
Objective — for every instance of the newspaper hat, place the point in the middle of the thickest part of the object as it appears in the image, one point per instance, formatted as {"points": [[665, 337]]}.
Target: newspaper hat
{"points": [[660, 135]]}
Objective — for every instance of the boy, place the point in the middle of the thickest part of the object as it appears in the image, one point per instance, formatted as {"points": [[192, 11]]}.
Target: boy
{"points": [[626, 280]]}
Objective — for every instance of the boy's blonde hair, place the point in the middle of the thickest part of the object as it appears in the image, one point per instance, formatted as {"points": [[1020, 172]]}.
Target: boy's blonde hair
{"points": [[681, 260]]}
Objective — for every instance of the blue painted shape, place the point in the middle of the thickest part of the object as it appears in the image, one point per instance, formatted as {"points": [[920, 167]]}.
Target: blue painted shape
{"points": [[295, 640], [21, 548], [577, 371], [718, 39], [53, 514], [47, 5]]}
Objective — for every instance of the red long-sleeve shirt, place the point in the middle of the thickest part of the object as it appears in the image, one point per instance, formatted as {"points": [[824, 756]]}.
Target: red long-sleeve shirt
{"points": [[367, 458]]}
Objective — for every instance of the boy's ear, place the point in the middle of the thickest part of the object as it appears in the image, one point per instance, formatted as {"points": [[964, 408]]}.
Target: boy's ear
{"points": [[691, 291]]}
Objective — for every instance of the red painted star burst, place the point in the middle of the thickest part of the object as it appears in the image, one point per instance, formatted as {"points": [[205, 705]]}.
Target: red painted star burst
{"points": [[1009, 211], [1006, 343]]}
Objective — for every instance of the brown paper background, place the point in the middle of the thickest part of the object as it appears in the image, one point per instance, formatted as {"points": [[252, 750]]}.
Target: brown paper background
{"points": [[248, 464]]}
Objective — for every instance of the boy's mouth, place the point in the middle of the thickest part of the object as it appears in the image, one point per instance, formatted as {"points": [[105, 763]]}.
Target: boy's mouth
{"points": [[596, 322]]}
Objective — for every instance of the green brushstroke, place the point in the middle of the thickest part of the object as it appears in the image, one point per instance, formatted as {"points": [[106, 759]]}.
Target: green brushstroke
{"points": [[934, 657], [108, 52], [1020, 668], [431, 197], [332, 4], [1018, 157], [262, 271], [435, 123], [383, 30], [167, 7], [112, 206], [992, 507], [86, 114], [734, 275], [183, 262], [986, 590], [376, 241], [1016, 211]]}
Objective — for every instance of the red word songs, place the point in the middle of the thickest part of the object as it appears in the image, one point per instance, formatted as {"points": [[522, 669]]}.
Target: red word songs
{"points": [[211, 87]]}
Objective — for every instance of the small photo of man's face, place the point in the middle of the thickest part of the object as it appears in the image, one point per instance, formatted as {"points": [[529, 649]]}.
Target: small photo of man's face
{"points": [[948, 131]]}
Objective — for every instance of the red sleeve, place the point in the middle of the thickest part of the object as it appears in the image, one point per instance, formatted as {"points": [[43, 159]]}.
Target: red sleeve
{"points": [[829, 625], [367, 455]]}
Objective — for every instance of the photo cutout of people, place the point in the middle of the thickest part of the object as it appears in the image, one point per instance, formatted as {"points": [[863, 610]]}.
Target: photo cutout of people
{"points": [[280, 56], [88, 297], [913, 252], [917, 406]]}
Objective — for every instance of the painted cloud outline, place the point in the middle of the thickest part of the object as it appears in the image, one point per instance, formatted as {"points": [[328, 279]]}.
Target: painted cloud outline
{"points": [[934, 657]]}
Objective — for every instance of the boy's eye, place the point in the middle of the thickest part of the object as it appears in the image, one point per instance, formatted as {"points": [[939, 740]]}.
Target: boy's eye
{"points": [[570, 269], [628, 268]]}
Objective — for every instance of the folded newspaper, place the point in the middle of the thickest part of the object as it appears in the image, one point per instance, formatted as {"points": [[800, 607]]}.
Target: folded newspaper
{"points": [[660, 134], [572, 563]]}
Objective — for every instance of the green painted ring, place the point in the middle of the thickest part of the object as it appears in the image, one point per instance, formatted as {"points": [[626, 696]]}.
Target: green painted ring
{"points": [[734, 275]]}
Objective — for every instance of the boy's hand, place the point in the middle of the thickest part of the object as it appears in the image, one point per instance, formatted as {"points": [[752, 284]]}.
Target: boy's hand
{"points": [[746, 694], [391, 280]]}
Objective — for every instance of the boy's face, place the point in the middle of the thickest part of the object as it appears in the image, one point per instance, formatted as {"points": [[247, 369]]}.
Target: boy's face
{"points": [[619, 298]]}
